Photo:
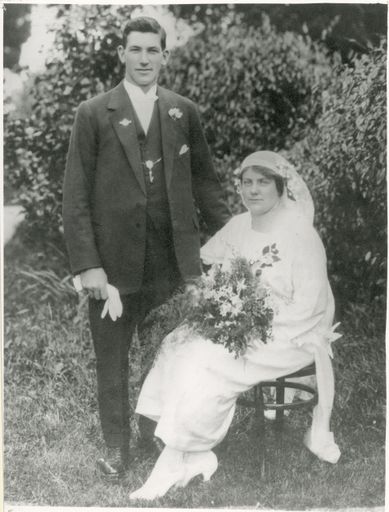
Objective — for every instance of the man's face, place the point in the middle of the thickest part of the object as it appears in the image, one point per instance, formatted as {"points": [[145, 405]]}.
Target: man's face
{"points": [[143, 58]]}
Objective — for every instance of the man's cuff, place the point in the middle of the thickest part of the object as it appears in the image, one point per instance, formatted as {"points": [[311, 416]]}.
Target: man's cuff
{"points": [[77, 279], [77, 283]]}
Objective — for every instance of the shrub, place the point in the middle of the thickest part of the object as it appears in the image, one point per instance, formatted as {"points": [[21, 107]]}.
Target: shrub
{"points": [[255, 89], [82, 65], [344, 162]]}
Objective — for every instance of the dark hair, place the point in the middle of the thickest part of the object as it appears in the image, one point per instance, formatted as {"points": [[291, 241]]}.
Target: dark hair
{"points": [[267, 173], [144, 24]]}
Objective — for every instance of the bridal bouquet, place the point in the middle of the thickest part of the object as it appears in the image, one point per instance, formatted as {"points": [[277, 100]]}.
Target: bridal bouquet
{"points": [[230, 307]]}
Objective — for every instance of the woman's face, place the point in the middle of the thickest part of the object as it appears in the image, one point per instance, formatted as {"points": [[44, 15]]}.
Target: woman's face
{"points": [[259, 192]]}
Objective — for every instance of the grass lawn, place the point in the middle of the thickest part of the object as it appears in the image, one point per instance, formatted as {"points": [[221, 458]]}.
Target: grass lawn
{"points": [[52, 432]]}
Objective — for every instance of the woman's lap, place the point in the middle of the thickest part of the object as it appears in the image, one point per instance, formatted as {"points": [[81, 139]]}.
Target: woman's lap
{"points": [[193, 387]]}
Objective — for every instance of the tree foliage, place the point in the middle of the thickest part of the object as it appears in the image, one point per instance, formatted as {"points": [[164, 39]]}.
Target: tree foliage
{"points": [[347, 28], [344, 161], [16, 31], [256, 88], [83, 64]]}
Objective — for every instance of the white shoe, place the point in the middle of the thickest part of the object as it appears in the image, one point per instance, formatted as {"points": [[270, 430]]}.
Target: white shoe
{"points": [[322, 443], [169, 471], [158, 487], [324, 447], [199, 463]]}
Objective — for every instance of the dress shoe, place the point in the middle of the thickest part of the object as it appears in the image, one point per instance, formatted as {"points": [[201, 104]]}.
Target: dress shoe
{"points": [[199, 463], [323, 446], [112, 466], [321, 442], [157, 489], [168, 472]]}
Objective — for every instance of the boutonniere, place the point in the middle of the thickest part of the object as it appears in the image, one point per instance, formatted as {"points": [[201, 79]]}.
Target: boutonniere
{"points": [[184, 149], [175, 113], [125, 122]]}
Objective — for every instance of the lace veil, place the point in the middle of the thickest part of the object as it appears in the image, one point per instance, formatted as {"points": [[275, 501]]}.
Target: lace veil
{"points": [[296, 195]]}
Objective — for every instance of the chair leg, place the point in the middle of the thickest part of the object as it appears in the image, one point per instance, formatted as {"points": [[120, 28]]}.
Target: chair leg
{"points": [[279, 422], [260, 430]]}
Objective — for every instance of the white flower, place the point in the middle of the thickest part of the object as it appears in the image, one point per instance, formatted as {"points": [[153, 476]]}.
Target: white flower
{"points": [[175, 113], [240, 286], [209, 277], [223, 291], [125, 121], [207, 294], [225, 308], [184, 149], [237, 303]]}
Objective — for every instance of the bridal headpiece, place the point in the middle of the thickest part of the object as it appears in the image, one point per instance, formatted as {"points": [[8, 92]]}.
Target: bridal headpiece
{"points": [[296, 193]]}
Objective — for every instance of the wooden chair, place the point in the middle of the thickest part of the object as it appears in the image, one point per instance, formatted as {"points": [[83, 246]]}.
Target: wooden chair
{"points": [[256, 400]]}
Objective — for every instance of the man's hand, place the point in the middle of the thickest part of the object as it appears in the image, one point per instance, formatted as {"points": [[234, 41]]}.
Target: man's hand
{"points": [[94, 281]]}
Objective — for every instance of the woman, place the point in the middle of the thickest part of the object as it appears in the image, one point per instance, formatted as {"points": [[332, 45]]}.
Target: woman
{"points": [[192, 389]]}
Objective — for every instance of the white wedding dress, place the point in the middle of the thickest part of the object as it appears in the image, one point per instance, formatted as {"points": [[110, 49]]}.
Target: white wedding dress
{"points": [[192, 388]]}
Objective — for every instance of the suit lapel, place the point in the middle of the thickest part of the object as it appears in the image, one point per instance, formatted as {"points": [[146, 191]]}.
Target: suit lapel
{"points": [[168, 132], [123, 122]]}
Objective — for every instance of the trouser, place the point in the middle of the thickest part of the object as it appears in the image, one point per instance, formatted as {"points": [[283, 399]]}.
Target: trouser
{"points": [[112, 340]]}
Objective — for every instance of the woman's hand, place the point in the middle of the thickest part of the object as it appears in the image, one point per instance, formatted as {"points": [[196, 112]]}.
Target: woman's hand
{"points": [[194, 292]]}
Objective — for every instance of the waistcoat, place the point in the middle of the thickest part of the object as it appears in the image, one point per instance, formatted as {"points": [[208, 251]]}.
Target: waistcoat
{"points": [[151, 152]]}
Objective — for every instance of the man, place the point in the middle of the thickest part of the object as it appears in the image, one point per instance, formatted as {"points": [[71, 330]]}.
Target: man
{"points": [[137, 164]]}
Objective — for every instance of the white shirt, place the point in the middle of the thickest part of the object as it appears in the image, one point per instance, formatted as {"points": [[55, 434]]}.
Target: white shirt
{"points": [[142, 102]]}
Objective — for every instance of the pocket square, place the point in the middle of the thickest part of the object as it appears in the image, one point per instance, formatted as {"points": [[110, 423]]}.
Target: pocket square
{"points": [[184, 149], [125, 122]]}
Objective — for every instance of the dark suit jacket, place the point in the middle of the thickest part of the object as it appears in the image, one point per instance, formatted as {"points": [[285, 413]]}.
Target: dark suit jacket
{"points": [[104, 202]]}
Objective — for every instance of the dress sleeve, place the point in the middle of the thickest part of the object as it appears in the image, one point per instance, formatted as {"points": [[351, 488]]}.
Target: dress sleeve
{"points": [[215, 250], [309, 313], [223, 246]]}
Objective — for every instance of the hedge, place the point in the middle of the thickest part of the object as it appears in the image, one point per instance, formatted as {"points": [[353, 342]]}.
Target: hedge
{"points": [[256, 88], [344, 162]]}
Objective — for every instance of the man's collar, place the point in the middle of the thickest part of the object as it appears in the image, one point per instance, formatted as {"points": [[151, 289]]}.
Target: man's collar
{"points": [[136, 92]]}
